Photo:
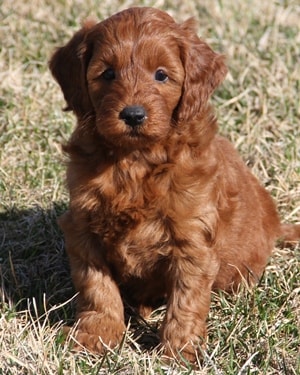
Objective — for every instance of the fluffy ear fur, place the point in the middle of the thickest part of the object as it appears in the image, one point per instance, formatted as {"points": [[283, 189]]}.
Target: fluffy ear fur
{"points": [[205, 70], [68, 66]]}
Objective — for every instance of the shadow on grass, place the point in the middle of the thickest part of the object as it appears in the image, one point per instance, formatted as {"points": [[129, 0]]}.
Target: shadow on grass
{"points": [[33, 263]]}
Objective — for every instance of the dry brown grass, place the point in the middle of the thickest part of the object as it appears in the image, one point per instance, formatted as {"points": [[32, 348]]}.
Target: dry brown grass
{"points": [[255, 332]]}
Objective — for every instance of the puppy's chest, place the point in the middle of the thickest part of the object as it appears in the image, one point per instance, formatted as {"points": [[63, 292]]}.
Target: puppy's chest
{"points": [[129, 206], [132, 219], [127, 193]]}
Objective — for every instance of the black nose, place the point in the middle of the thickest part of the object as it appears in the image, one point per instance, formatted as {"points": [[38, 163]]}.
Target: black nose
{"points": [[133, 115]]}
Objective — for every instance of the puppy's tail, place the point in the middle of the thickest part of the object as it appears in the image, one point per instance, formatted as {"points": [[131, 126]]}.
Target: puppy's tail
{"points": [[289, 236]]}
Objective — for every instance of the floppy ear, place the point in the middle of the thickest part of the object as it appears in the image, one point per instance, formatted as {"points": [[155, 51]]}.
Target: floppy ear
{"points": [[204, 72], [68, 66]]}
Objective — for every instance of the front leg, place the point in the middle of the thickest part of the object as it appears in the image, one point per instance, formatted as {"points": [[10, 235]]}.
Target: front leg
{"points": [[183, 331], [100, 311]]}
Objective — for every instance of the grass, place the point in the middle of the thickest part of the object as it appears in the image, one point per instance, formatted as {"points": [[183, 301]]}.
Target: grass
{"points": [[253, 332]]}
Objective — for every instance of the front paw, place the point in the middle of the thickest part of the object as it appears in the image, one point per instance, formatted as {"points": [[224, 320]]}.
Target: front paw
{"points": [[191, 352], [95, 333], [184, 346]]}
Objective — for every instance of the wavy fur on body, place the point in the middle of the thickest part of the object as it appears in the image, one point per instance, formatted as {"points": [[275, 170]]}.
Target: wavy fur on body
{"points": [[163, 209]]}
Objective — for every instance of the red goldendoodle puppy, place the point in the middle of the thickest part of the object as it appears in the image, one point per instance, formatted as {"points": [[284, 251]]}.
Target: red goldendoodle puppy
{"points": [[161, 207]]}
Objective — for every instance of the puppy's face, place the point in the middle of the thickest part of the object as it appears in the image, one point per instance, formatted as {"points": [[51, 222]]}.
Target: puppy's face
{"points": [[134, 79], [138, 74]]}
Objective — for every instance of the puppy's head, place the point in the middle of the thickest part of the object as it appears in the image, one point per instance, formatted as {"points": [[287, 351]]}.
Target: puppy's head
{"points": [[139, 74]]}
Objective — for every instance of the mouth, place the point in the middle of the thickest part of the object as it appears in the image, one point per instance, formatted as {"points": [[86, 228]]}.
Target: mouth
{"points": [[135, 133], [138, 137]]}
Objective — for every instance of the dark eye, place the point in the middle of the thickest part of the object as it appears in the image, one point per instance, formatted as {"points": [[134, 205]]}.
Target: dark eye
{"points": [[161, 76], [108, 74]]}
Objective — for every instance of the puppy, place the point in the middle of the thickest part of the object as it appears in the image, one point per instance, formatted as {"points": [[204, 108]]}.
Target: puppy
{"points": [[161, 207]]}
